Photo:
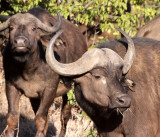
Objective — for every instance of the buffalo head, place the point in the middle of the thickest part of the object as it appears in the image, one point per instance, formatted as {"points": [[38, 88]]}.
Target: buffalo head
{"points": [[99, 73], [24, 32]]}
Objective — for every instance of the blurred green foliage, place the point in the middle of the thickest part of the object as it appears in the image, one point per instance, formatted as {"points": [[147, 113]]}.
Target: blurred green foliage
{"points": [[91, 133], [71, 97], [126, 14]]}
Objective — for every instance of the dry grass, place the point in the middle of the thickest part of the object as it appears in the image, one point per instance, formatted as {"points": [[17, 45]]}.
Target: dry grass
{"points": [[75, 128]]}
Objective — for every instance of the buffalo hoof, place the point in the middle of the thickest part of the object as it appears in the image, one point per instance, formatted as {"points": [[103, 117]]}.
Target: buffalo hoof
{"points": [[39, 134]]}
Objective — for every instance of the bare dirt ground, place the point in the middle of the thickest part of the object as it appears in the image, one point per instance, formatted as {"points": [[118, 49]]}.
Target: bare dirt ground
{"points": [[77, 125]]}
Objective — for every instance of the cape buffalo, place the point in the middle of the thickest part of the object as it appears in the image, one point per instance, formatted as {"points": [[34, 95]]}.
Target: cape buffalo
{"points": [[25, 67], [104, 83], [151, 29]]}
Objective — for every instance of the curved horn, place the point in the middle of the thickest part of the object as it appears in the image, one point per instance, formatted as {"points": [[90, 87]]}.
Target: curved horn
{"points": [[129, 57], [53, 29], [88, 61], [41, 25], [3, 18]]}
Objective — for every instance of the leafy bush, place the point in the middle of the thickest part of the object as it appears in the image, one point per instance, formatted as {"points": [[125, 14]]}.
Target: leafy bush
{"points": [[104, 14]]}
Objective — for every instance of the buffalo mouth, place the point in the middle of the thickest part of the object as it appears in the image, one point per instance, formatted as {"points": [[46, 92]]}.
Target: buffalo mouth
{"points": [[118, 110], [21, 49], [121, 110]]}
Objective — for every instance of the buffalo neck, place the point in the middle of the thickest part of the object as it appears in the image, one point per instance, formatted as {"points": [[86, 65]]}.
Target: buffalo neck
{"points": [[28, 67], [105, 120]]}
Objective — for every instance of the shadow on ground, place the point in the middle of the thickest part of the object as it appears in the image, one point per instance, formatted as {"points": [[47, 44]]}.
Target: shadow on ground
{"points": [[27, 127]]}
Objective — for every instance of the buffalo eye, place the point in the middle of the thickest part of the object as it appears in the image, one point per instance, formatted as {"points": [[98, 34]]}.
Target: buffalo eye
{"points": [[33, 28], [96, 76]]}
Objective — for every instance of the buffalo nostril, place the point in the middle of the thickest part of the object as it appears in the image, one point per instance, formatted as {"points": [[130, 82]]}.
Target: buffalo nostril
{"points": [[124, 101], [121, 100], [20, 40]]}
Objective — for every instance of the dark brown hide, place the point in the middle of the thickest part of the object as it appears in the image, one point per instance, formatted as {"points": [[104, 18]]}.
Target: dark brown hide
{"points": [[99, 81], [143, 117], [69, 37], [150, 29], [26, 71]]}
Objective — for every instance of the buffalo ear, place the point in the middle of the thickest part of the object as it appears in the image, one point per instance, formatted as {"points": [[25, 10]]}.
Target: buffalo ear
{"points": [[128, 83], [3, 43], [4, 36], [5, 33], [44, 42], [42, 33], [44, 37]]}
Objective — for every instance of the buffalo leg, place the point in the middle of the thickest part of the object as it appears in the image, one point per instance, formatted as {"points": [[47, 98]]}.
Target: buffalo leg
{"points": [[13, 97], [41, 116], [65, 115]]}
